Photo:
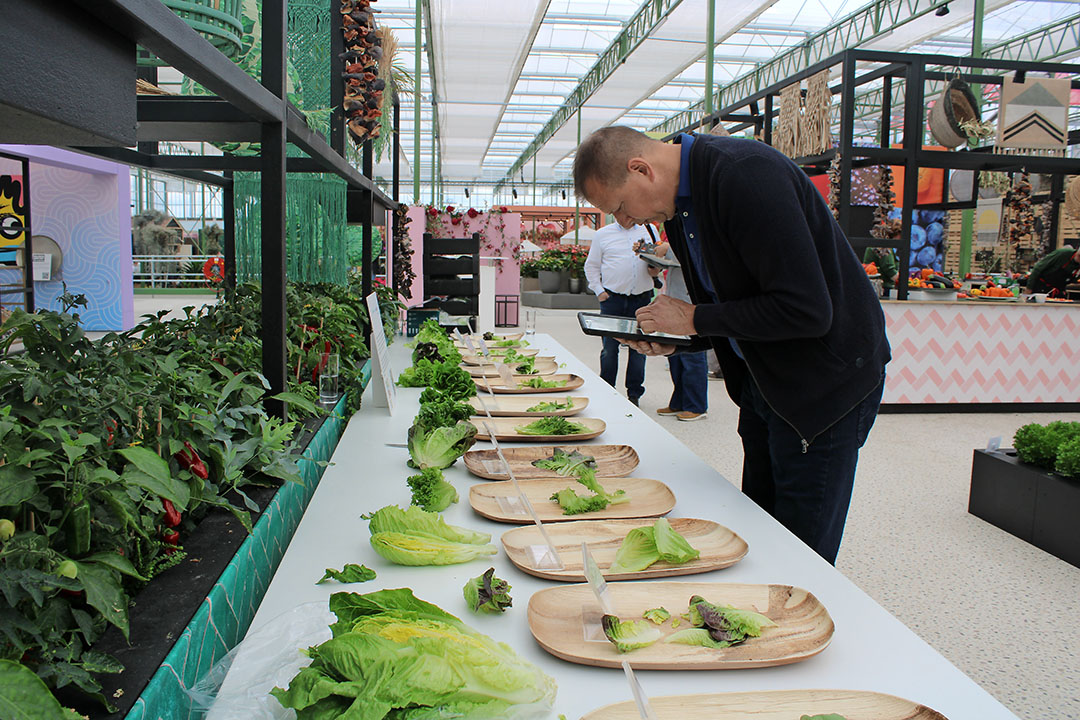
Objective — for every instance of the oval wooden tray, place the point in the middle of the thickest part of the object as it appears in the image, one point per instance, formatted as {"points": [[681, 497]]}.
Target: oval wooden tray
{"points": [[611, 461], [504, 428], [519, 406], [544, 366], [719, 547], [561, 618], [481, 360], [572, 382], [499, 501], [773, 705]]}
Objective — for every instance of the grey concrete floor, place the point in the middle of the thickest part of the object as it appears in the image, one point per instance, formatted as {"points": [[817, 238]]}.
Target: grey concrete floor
{"points": [[1001, 610]]}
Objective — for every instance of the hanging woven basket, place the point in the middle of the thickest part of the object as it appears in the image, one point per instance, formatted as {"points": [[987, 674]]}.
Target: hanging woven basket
{"points": [[216, 20], [956, 105]]}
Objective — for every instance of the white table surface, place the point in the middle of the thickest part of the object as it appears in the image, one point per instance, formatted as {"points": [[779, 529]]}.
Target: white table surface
{"points": [[871, 650]]}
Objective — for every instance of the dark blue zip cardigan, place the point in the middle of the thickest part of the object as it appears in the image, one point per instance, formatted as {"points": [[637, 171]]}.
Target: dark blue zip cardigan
{"points": [[791, 290]]}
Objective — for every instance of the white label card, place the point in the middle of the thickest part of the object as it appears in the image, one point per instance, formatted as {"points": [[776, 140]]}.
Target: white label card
{"points": [[506, 375], [382, 374], [596, 579], [484, 348]]}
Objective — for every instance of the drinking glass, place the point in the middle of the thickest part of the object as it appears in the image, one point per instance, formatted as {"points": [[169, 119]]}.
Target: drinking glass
{"points": [[530, 322]]}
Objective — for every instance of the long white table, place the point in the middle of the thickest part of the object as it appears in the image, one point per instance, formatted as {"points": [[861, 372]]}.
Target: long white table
{"points": [[871, 650]]}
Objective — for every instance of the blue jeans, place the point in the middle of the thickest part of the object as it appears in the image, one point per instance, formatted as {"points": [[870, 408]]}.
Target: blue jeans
{"points": [[690, 374], [624, 306], [808, 493]]}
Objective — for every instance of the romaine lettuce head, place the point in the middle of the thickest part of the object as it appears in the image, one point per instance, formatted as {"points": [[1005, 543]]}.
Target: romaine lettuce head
{"points": [[440, 447], [414, 521], [637, 552], [393, 655], [403, 549], [672, 546]]}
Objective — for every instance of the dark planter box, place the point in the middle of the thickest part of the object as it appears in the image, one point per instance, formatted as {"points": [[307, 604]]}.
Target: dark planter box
{"points": [[1037, 506]]}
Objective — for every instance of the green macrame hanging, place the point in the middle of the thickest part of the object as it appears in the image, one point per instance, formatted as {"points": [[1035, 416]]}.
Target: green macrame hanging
{"points": [[314, 203]]}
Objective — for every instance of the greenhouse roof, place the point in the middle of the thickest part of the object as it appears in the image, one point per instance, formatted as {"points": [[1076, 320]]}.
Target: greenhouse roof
{"points": [[502, 70]]}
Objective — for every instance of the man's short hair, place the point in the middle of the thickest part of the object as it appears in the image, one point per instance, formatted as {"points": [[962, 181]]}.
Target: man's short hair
{"points": [[603, 156]]}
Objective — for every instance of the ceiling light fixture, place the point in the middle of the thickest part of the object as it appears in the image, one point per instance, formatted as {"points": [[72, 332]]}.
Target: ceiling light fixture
{"points": [[942, 11], [563, 194], [514, 191], [466, 193]]}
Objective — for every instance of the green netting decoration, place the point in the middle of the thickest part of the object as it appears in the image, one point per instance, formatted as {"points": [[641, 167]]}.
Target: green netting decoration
{"points": [[314, 228]]}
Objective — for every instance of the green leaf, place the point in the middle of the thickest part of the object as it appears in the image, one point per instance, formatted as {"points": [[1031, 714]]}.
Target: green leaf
{"points": [[99, 662], [16, 485], [300, 402], [23, 696], [117, 562], [170, 488], [73, 451], [349, 574], [148, 461], [103, 593]]}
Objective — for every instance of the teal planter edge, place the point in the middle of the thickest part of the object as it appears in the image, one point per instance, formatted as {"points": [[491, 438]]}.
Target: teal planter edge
{"points": [[223, 618]]}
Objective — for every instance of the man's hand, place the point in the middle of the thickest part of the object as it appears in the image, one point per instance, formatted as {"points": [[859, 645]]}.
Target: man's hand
{"points": [[648, 348], [668, 315], [603, 296]]}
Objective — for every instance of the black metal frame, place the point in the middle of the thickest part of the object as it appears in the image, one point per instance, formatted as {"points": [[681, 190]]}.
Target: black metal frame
{"points": [[915, 69], [244, 109], [27, 290]]}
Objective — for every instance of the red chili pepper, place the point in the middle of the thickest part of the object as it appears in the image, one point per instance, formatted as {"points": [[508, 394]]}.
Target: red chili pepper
{"points": [[171, 536], [172, 515], [111, 427], [188, 459]]}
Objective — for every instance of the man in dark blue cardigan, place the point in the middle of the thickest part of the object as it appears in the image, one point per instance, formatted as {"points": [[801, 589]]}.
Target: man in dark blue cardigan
{"points": [[777, 292]]}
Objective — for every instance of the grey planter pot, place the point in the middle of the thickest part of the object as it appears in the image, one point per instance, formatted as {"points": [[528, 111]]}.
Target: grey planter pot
{"points": [[575, 285], [550, 280]]}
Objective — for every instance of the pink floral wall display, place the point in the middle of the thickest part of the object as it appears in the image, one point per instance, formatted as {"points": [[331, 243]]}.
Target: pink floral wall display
{"points": [[500, 237]]}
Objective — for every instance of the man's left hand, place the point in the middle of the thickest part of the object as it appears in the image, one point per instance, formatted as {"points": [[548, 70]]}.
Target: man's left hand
{"points": [[668, 315]]}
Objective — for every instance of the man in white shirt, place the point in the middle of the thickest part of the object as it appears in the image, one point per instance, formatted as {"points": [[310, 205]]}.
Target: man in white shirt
{"points": [[622, 283]]}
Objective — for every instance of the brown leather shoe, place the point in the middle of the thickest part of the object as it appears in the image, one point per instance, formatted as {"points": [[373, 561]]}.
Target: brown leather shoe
{"points": [[687, 416], [666, 411]]}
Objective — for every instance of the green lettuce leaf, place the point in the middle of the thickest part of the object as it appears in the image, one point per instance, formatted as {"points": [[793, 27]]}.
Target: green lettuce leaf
{"points": [[402, 549], [414, 521], [672, 546], [629, 635], [487, 593], [349, 574], [637, 552]]}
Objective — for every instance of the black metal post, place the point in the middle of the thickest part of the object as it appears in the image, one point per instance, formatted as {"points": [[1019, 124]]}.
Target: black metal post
{"points": [[28, 241], [273, 207], [395, 147], [391, 239], [150, 75], [913, 140], [1057, 194], [229, 240], [767, 135], [337, 85], [886, 111], [847, 132], [366, 198]]}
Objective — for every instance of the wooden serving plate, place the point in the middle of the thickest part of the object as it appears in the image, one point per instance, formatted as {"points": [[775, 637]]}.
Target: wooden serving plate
{"points": [[561, 618], [499, 501], [481, 360], [719, 547], [611, 461], [496, 384], [519, 406], [773, 705], [544, 366], [504, 428]]}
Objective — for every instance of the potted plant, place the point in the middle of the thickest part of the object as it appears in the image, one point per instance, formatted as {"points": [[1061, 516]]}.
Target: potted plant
{"points": [[1033, 491], [530, 270], [550, 266], [576, 266]]}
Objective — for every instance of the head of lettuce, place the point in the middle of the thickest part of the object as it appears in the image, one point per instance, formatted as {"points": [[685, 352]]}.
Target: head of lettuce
{"points": [[393, 655]]}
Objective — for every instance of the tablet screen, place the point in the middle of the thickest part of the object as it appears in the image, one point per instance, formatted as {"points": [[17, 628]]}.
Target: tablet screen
{"points": [[628, 326]]}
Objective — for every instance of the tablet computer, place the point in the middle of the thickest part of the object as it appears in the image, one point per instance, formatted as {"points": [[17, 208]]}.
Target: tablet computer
{"points": [[625, 328], [664, 263]]}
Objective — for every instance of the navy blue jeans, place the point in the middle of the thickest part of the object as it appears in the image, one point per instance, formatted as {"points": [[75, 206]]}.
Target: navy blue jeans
{"points": [[690, 374], [625, 306], [808, 493]]}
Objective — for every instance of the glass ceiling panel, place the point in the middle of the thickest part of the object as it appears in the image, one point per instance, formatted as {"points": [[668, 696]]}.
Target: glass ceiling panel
{"points": [[573, 34]]}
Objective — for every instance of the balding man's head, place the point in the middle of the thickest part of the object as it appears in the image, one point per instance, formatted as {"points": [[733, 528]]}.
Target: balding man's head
{"points": [[603, 156]]}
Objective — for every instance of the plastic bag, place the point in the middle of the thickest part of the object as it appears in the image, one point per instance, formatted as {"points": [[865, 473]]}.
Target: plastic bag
{"points": [[239, 684]]}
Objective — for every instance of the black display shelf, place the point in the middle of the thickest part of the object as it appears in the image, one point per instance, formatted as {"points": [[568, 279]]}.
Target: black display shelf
{"points": [[243, 109], [915, 70]]}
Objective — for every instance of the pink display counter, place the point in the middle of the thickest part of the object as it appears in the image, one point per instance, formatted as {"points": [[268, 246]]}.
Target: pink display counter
{"points": [[967, 353]]}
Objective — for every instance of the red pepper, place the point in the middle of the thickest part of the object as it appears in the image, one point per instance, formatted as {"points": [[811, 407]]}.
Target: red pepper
{"points": [[188, 459], [171, 536], [110, 427], [172, 515]]}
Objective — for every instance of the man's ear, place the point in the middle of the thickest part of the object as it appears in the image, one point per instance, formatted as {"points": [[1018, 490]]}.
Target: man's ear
{"points": [[640, 166]]}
